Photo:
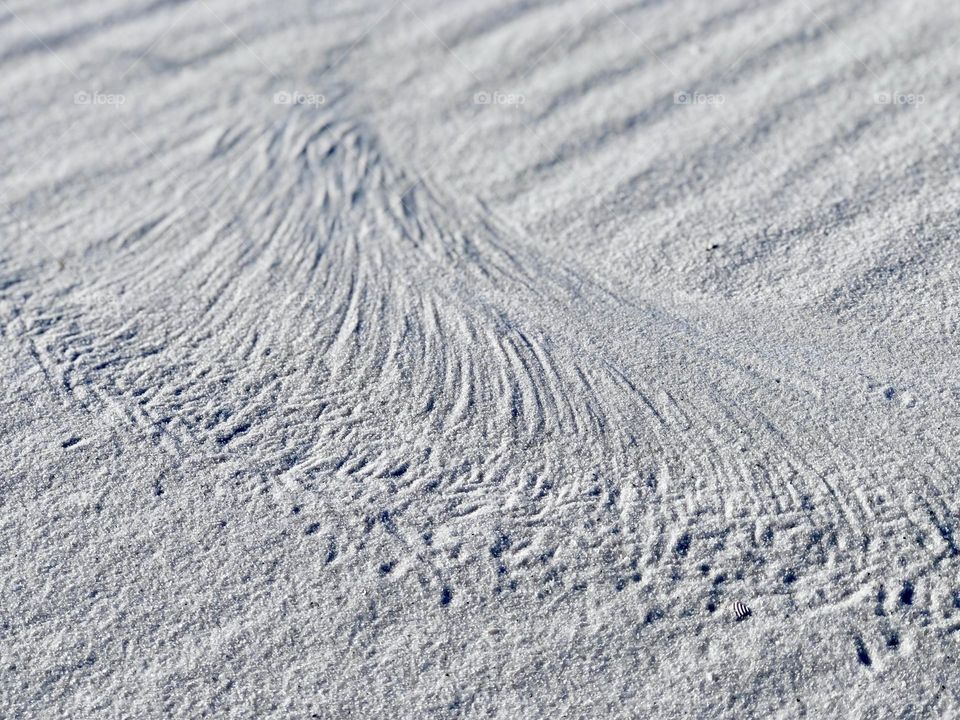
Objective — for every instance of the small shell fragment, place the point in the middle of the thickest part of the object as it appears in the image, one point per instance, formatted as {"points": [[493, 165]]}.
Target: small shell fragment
{"points": [[742, 611]]}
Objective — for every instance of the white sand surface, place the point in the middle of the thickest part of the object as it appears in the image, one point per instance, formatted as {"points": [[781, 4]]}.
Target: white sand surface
{"points": [[426, 359]]}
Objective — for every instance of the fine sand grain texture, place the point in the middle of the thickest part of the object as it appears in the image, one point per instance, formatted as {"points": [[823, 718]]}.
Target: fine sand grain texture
{"points": [[497, 359]]}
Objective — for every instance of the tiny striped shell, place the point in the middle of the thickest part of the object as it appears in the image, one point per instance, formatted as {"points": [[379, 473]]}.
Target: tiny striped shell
{"points": [[741, 610]]}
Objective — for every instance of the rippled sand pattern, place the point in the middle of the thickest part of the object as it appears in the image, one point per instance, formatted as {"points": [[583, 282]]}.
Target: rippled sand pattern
{"points": [[476, 359]]}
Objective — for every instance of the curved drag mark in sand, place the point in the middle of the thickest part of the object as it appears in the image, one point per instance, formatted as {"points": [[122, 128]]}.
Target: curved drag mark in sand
{"points": [[510, 405]]}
